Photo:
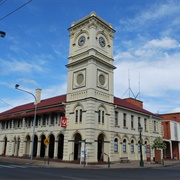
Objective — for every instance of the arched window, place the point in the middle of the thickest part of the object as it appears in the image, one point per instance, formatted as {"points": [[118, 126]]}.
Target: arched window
{"points": [[78, 114], [115, 145], [139, 146], [145, 146], [101, 115], [132, 145], [124, 145]]}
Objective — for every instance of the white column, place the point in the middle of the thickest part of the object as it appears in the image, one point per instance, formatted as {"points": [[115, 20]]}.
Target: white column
{"points": [[38, 148], [55, 149], [16, 145], [46, 151], [30, 148], [171, 149]]}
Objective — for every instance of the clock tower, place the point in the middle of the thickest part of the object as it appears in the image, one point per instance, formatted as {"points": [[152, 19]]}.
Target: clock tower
{"points": [[90, 87], [90, 65]]}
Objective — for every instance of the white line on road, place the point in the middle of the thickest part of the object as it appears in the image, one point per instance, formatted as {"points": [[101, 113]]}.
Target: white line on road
{"points": [[18, 166], [68, 177], [4, 166]]}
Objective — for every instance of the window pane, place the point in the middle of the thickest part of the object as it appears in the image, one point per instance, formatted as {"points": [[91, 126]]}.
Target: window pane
{"points": [[124, 145], [132, 145], [76, 116], [124, 120], [116, 145], [116, 118], [80, 118], [102, 117], [99, 116]]}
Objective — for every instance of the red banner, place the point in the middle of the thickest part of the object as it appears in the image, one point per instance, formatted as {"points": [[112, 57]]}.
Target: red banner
{"points": [[63, 122]]}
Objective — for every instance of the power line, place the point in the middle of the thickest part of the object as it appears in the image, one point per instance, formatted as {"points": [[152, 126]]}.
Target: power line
{"points": [[2, 2], [6, 103], [15, 10]]}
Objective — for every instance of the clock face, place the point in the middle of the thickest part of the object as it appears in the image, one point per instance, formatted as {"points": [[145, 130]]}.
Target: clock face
{"points": [[81, 40], [102, 41]]}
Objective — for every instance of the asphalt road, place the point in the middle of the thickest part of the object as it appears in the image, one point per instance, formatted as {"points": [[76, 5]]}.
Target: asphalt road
{"points": [[21, 172]]}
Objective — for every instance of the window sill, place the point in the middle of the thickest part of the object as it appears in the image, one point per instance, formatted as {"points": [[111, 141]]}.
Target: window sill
{"points": [[125, 127], [117, 126]]}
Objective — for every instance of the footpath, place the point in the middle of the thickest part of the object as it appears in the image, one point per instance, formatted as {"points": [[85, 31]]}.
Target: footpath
{"points": [[61, 164]]}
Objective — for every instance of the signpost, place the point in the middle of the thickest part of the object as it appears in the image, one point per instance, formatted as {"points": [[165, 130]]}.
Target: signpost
{"points": [[46, 143], [84, 151]]}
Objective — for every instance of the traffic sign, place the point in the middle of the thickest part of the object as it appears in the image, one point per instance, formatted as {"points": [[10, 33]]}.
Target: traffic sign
{"points": [[46, 141]]}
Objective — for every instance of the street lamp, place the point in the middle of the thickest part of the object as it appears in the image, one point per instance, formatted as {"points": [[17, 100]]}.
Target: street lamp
{"points": [[140, 135], [2, 34], [34, 122]]}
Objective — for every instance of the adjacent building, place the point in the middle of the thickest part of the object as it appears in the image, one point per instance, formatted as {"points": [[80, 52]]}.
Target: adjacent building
{"points": [[89, 115], [171, 135]]}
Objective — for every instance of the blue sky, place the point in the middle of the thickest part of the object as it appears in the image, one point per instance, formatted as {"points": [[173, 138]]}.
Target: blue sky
{"points": [[35, 49]]}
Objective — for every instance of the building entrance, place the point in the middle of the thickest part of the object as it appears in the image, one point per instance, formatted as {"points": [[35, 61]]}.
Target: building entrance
{"points": [[60, 146], [77, 146], [100, 147]]}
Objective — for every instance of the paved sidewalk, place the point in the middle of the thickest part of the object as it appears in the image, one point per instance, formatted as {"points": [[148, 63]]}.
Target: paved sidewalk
{"points": [[61, 164]]}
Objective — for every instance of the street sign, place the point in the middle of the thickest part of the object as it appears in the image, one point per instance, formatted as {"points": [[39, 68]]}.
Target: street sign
{"points": [[88, 143], [82, 141], [46, 141]]}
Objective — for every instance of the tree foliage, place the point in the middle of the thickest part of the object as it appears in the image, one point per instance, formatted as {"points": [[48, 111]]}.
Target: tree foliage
{"points": [[158, 143]]}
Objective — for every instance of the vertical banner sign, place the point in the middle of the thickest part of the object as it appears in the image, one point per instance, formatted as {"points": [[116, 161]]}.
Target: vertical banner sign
{"points": [[63, 122]]}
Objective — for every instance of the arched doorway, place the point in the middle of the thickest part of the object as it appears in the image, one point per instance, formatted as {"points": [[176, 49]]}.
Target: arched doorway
{"points": [[100, 147], [28, 140], [60, 146], [51, 146], [43, 147], [5, 146], [77, 146], [35, 146]]}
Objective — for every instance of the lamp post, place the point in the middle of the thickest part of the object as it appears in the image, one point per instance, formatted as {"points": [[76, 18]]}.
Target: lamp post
{"points": [[2, 34], [140, 136], [34, 122]]}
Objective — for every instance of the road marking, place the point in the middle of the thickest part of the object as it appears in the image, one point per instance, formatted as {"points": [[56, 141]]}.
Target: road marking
{"points": [[18, 166], [68, 177], [4, 166]]}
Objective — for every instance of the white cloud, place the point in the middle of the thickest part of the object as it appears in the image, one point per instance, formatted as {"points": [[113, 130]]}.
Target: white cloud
{"points": [[27, 81], [164, 43], [20, 66], [55, 90], [155, 12], [123, 55], [25, 98], [158, 79]]}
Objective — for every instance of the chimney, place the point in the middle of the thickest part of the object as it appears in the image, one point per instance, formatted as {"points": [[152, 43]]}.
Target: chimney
{"points": [[38, 95], [135, 102]]}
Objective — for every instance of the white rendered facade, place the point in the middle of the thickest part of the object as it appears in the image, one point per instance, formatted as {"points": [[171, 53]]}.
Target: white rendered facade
{"points": [[93, 113]]}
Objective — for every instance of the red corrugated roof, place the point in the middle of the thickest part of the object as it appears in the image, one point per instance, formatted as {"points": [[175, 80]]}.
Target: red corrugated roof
{"points": [[126, 104], [43, 111], [45, 106], [30, 106]]}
